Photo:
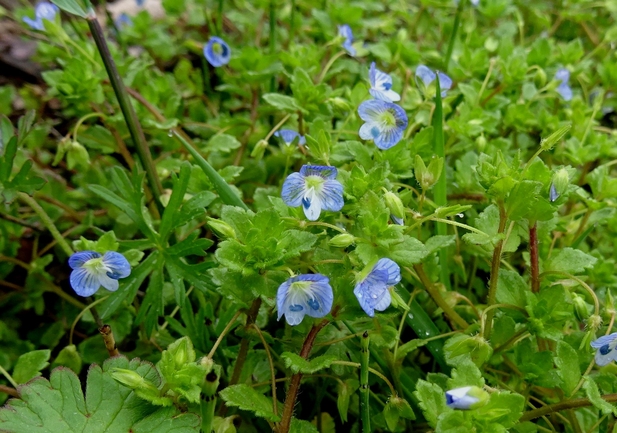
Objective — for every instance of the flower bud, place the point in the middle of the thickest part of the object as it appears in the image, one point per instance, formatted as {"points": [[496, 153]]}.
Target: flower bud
{"points": [[130, 378], [539, 78], [468, 397], [342, 240], [594, 322], [481, 143], [221, 228], [395, 205], [340, 104], [76, 155], [580, 307], [259, 149], [561, 180]]}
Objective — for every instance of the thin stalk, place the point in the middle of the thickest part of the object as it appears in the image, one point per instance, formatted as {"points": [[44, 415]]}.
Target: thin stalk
{"points": [[108, 338], [365, 413], [8, 377], [80, 315], [225, 331], [272, 39], [128, 112], [370, 370], [292, 17], [329, 65], [439, 300], [294, 387], [593, 295], [219, 18], [457, 22], [244, 344], [272, 373], [47, 222], [563, 405], [10, 391], [440, 190], [208, 402], [495, 262], [533, 258]]}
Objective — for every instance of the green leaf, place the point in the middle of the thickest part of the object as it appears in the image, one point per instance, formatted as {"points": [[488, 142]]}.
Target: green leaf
{"points": [[571, 261], [503, 408], [568, 367], [345, 391], [30, 364], [58, 404], [297, 364], [511, 288], [283, 103], [68, 357], [72, 7], [432, 401], [223, 143], [302, 426], [435, 243], [466, 374], [593, 394], [180, 184], [247, 398]]}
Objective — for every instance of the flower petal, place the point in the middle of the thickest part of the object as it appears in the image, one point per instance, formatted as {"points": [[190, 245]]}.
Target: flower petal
{"points": [[311, 203], [565, 91], [606, 339], [392, 270], [371, 109], [288, 136], [294, 189], [213, 57], [332, 195], [324, 171], [563, 75], [445, 83], [78, 259], [109, 283], [369, 131], [425, 74], [384, 302], [84, 282], [388, 139], [118, 265], [371, 290], [315, 299]]}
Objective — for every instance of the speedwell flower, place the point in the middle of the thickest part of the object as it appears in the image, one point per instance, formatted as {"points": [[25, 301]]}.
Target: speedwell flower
{"points": [[315, 188], [309, 294], [91, 271], [427, 76], [288, 136], [345, 31], [123, 21], [42, 11], [385, 122], [372, 291], [564, 89], [468, 397], [381, 85], [606, 349], [217, 52]]}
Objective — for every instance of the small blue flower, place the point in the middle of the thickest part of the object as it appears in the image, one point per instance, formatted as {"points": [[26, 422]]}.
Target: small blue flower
{"points": [[309, 294], [397, 220], [372, 291], [468, 397], [385, 122], [381, 85], [140, 2], [345, 31], [42, 11], [288, 136], [123, 21], [217, 52], [606, 349], [315, 188], [553, 195], [91, 271], [564, 89], [427, 76]]}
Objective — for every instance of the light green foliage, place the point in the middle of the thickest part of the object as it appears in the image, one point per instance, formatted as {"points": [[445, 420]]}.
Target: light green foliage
{"points": [[30, 364], [107, 405], [247, 398]]}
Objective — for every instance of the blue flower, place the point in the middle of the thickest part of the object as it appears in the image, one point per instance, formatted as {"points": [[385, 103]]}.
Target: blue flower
{"points": [[140, 2], [564, 89], [304, 294], [91, 271], [345, 31], [381, 85], [385, 122], [288, 136], [397, 220], [372, 291], [217, 52], [315, 188], [123, 20], [553, 195], [606, 349], [427, 76], [468, 397], [42, 11]]}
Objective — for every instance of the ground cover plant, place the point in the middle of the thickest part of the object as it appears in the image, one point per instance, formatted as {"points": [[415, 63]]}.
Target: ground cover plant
{"points": [[292, 215]]}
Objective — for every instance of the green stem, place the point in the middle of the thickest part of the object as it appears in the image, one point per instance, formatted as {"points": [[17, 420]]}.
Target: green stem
{"points": [[208, 402], [128, 112], [495, 262], [244, 344], [440, 192], [47, 222], [457, 22], [365, 413], [272, 38], [593, 295], [225, 192], [563, 405], [8, 377], [292, 16], [329, 65], [219, 18], [80, 315]]}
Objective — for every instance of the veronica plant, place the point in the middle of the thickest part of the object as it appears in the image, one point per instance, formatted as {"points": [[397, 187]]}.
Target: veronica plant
{"points": [[315, 188], [307, 294], [384, 124], [217, 52], [43, 11], [92, 270]]}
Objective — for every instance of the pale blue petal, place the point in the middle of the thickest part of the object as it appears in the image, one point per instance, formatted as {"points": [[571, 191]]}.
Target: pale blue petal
{"points": [[332, 195], [563, 75], [315, 301], [84, 282], [605, 359], [118, 265], [371, 290], [425, 74], [311, 204], [392, 270], [388, 138], [372, 71], [294, 189], [288, 136], [214, 58], [565, 91], [606, 339], [371, 109], [552, 193], [458, 398], [78, 259], [369, 131], [110, 284], [445, 83], [384, 302], [34, 24], [324, 171], [385, 95], [397, 220]]}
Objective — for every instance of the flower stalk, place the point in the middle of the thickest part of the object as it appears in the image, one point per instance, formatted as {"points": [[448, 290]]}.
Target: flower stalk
{"points": [[495, 266]]}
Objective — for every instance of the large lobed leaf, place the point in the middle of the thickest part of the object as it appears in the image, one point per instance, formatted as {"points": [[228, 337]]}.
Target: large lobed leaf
{"points": [[58, 405]]}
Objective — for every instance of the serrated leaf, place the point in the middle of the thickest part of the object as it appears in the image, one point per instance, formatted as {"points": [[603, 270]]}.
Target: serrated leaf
{"points": [[568, 367], [245, 397], [593, 394], [297, 364], [283, 103], [432, 401], [58, 404], [224, 143], [571, 261], [30, 364]]}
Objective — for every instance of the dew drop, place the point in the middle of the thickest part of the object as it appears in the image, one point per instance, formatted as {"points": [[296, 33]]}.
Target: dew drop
{"points": [[170, 133]]}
